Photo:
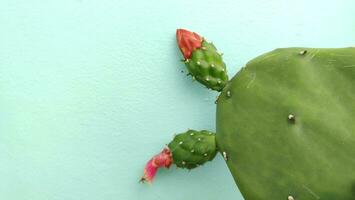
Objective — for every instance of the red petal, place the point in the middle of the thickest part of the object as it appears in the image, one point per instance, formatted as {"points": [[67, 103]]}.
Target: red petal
{"points": [[163, 159], [188, 41], [149, 172]]}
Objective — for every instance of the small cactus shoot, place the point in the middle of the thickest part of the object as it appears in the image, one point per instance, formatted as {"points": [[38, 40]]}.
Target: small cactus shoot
{"points": [[202, 60], [193, 148], [285, 123], [187, 150]]}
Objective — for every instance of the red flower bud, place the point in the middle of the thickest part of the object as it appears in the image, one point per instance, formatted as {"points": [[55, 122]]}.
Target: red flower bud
{"points": [[188, 41], [163, 159]]}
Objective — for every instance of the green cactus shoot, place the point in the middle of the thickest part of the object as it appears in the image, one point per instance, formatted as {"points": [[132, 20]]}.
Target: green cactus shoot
{"points": [[285, 122]]}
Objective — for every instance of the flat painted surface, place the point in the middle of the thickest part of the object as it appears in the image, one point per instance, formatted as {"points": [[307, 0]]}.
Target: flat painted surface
{"points": [[89, 90]]}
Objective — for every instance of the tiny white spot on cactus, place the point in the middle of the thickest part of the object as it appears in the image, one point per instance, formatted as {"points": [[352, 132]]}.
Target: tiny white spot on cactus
{"points": [[291, 118], [183, 163], [223, 70], [219, 81], [181, 142], [207, 79], [203, 48], [193, 78], [205, 154], [290, 198], [187, 61], [192, 134], [210, 133], [198, 63], [192, 150], [199, 139], [303, 52], [225, 156], [212, 65], [228, 93]]}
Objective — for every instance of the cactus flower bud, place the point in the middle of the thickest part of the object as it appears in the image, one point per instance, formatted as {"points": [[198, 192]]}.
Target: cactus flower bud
{"points": [[163, 159], [188, 41]]}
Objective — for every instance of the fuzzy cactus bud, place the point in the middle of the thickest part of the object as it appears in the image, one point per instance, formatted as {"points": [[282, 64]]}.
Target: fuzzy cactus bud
{"points": [[163, 159], [187, 150], [203, 61], [188, 41]]}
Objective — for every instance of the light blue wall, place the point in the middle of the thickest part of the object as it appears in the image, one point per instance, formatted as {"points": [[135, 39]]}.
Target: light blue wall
{"points": [[90, 89]]}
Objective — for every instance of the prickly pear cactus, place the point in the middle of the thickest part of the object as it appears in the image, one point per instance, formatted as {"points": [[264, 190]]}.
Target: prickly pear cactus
{"points": [[285, 122]]}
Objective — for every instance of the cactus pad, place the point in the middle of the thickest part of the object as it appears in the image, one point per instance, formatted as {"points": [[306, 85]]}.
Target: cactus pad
{"points": [[207, 67], [193, 148], [286, 122]]}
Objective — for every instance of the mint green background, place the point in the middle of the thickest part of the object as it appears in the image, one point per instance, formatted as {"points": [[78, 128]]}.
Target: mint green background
{"points": [[89, 90]]}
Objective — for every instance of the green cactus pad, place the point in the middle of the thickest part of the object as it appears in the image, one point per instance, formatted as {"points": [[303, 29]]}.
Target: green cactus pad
{"points": [[207, 67], [193, 148], [287, 125]]}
